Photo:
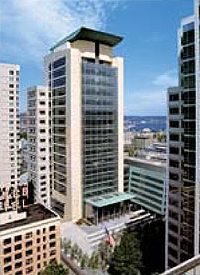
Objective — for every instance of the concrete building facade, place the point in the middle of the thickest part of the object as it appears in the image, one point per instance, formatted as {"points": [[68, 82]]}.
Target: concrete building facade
{"points": [[30, 242], [38, 143], [86, 99], [9, 141]]}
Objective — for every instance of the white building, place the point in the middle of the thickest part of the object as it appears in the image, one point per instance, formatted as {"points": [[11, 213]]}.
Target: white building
{"points": [[86, 84], [38, 143], [9, 133]]}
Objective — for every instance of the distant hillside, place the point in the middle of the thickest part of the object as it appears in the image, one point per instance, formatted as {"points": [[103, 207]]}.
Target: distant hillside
{"points": [[138, 123]]}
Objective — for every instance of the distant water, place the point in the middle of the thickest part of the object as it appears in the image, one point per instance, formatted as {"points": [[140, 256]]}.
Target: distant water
{"points": [[138, 123]]}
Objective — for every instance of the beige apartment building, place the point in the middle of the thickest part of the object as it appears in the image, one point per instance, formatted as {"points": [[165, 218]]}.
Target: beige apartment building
{"points": [[85, 80], [9, 129], [38, 143], [30, 242]]}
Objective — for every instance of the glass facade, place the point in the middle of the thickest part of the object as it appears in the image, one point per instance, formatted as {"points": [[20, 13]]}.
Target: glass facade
{"points": [[182, 154], [99, 128], [147, 184], [57, 85]]}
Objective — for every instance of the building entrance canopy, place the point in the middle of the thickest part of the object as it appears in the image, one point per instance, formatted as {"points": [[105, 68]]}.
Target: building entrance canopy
{"points": [[109, 199]]}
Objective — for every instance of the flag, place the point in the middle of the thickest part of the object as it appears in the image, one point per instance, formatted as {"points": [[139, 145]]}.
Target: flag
{"points": [[109, 238], [25, 191]]}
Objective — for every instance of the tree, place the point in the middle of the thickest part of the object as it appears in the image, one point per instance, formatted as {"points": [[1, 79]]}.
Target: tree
{"points": [[54, 269], [161, 136], [153, 235], [23, 135], [84, 261], [94, 260], [67, 246], [127, 256]]}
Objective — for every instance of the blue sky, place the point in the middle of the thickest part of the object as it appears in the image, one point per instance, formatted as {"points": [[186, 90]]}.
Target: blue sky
{"points": [[30, 27]]}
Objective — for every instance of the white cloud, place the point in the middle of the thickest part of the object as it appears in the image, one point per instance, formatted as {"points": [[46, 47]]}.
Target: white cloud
{"points": [[167, 79], [30, 27], [146, 102]]}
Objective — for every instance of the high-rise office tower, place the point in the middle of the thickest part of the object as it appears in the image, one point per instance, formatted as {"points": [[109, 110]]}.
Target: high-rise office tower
{"points": [[182, 230], [86, 99], [9, 137], [38, 143]]}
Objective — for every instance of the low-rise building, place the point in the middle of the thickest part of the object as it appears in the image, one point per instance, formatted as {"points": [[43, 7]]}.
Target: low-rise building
{"points": [[29, 240], [147, 183]]}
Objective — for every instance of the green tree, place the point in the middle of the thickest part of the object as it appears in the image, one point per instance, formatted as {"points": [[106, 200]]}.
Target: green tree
{"points": [[94, 260], [55, 269], [127, 256], [67, 246], [153, 235], [23, 135], [84, 261], [161, 136]]}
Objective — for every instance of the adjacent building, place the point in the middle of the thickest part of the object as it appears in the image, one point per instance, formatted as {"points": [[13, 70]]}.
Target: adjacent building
{"points": [[9, 141], [147, 183], [182, 227], [86, 99], [30, 242], [38, 143]]}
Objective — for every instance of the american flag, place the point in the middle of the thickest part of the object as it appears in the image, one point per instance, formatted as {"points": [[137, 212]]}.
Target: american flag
{"points": [[109, 238]]}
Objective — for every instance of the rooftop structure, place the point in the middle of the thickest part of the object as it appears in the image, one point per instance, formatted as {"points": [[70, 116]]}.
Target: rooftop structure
{"points": [[34, 213], [92, 36]]}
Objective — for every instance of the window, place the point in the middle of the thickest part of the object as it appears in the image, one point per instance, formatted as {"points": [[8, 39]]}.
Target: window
{"points": [[29, 252], [52, 236], [29, 235], [38, 240], [19, 264], [52, 228], [7, 250], [38, 232], [53, 244], [28, 244], [11, 72], [29, 261], [18, 256], [18, 238], [7, 260], [18, 247], [52, 252], [29, 269], [7, 269], [7, 241], [58, 63], [42, 130]]}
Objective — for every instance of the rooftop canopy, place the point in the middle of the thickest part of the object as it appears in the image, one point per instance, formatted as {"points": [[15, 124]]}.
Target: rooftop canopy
{"points": [[90, 35], [109, 199]]}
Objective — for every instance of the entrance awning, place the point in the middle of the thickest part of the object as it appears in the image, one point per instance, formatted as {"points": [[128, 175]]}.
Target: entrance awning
{"points": [[109, 199]]}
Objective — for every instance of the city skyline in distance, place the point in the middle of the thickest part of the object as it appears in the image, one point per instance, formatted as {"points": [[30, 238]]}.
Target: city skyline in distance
{"points": [[149, 50]]}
